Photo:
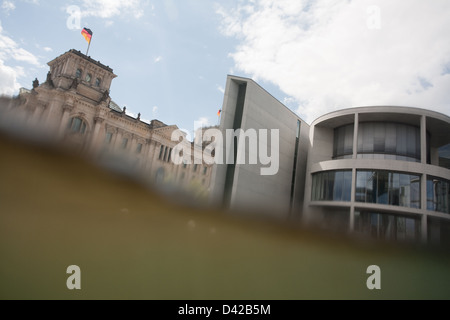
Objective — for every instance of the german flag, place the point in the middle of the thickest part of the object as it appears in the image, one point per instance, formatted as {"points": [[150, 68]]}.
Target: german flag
{"points": [[219, 112], [87, 34]]}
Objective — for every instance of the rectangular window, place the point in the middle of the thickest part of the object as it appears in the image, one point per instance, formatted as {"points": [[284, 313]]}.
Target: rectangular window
{"points": [[205, 170], [161, 152], [438, 194], [195, 167], [170, 155], [391, 188], [165, 153], [139, 148], [389, 227], [124, 143], [108, 138], [332, 186]]}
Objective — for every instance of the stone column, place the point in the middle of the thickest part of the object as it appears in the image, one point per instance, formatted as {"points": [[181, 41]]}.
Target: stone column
{"points": [[96, 134], [118, 140], [67, 109]]}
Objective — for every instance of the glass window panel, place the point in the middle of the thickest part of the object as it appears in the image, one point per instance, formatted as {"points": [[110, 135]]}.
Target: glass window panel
{"points": [[379, 137], [348, 143], [383, 187], [331, 186], [338, 185], [388, 227], [391, 138], [401, 140], [347, 188], [438, 194]]}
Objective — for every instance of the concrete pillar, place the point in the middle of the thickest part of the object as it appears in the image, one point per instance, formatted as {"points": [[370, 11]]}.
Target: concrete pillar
{"points": [[355, 136], [352, 200], [424, 225], [423, 139]]}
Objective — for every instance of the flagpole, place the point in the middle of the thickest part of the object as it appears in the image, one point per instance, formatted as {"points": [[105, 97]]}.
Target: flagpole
{"points": [[89, 45], [218, 118]]}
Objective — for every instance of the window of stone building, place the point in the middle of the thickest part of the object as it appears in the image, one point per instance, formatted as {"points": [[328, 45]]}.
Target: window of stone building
{"points": [[78, 73], [108, 137], [165, 154], [205, 170], [77, 125], [161, 152], [124, 143], [88, 77], [97, 82], [139, 148], [170, 154], [195, 167]]}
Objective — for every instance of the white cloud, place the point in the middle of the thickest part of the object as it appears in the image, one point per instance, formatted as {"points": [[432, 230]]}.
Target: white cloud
{"points": [[11, 58], [108, 23], [8, 6], [221, 89], [201, 122], [329, 55], [155, 111], [48, 49], [157, 59], [171, 9], [110, 8]]}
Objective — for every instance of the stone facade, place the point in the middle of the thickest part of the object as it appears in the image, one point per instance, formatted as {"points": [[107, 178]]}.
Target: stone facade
{"points": [[74, 107]]}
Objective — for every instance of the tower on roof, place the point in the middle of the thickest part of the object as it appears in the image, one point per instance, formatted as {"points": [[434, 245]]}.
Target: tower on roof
{"points": [[75, 70]]}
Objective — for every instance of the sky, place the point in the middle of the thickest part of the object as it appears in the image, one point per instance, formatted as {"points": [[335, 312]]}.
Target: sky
{"points": [[172, 57]]}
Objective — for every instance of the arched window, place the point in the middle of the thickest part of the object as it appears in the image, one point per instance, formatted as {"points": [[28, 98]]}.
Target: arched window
{"points": [[88, 77], [78, 73], [97, 82], [77, 125]]}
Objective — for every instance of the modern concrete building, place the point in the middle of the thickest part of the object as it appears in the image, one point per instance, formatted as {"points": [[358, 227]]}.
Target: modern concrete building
{"points": [[245, 184], [379, 171]]}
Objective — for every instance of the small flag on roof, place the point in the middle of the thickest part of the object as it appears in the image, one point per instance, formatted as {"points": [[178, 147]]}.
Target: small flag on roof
{"points": [[219, 112], [87, 34]]}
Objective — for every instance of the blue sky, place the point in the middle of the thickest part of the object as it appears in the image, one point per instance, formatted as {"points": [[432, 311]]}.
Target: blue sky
{"points": [[172, 56]]}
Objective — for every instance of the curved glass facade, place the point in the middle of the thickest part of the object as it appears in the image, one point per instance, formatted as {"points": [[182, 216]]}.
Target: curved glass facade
{"points": [[380, 140], [438, 194], [332, 186], [385, 187], [343, 142], [387, 226]]}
